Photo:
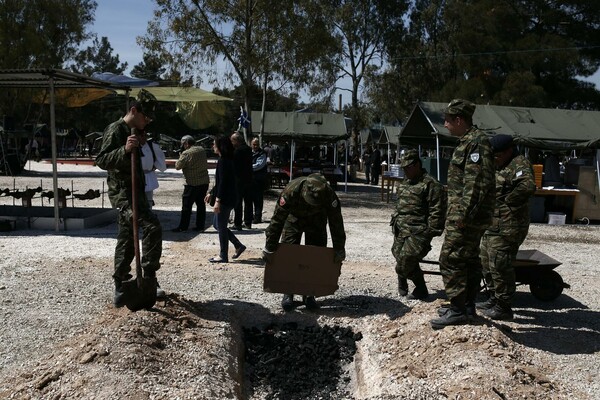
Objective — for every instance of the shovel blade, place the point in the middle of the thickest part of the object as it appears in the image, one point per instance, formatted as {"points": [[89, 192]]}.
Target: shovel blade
{"points": [[140, 293]]}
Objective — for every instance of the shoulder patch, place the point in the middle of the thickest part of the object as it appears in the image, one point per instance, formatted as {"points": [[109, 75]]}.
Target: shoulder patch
{"points": [[334, 203], [519, 173], [281, 201], [474, 157]]}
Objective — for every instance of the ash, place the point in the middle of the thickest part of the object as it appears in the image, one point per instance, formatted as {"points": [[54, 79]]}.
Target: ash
{"points": [[291, 362]]}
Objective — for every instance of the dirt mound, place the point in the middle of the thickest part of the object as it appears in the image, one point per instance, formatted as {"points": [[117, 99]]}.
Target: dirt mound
{"points": [[183, 349], [168, 353]]}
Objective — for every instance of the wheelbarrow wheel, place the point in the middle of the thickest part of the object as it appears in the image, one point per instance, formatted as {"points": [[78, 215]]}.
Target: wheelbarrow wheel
{"points": [[547, 287]]}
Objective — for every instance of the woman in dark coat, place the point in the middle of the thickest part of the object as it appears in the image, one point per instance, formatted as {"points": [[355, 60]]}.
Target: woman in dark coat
{"points": [[225, 198]]}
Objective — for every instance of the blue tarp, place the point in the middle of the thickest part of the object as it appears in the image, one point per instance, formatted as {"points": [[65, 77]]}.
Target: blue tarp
{"points": [[123, 79]]}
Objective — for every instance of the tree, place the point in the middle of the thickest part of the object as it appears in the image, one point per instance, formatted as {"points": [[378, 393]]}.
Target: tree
{"points": [[98, 58], [39, 34], [278, 43], [152, 68], [512, 52], [42, 33], [363, 27]]}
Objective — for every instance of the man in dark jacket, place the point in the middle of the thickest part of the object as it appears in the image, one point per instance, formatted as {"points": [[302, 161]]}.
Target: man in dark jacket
{"points": [[242, 158], [259, 181], [375, 166], [115, 156]]}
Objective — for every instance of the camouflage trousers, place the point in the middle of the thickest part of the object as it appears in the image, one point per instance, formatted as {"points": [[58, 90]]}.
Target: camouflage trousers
{"points": [[151, 248], [460, 264], [408, 252], [314, 229], [498, 254]]}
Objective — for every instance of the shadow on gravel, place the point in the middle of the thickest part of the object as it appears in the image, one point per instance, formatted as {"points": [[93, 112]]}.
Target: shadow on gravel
{"points": [[360, 306], [563, 326]]}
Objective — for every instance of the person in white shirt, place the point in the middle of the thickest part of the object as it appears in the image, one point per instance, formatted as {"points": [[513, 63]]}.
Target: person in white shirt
{"points": [[153, 158]]}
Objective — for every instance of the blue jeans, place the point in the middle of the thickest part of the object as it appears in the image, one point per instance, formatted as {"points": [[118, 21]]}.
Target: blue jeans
{"points": [[220, 222]]}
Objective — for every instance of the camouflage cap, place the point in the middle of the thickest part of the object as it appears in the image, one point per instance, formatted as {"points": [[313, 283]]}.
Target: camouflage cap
{"points": [[460, 107], [314, 191], [145, 103], [409, 157], [501, 142]]}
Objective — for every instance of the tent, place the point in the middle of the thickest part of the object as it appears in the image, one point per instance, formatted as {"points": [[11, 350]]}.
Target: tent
{"points": [[51, 80], [300, 127], [538, 128], [316, 128], [541, 128]]}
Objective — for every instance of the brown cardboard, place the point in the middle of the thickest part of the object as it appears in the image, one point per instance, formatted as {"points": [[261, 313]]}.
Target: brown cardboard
{"points": [[303, 270]]}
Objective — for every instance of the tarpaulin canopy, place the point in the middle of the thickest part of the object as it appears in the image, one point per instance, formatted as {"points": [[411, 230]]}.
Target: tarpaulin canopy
{"points": [[541, 128], [197, 108], [301, 127], [52, 79], [178, 94], [123, 79]]}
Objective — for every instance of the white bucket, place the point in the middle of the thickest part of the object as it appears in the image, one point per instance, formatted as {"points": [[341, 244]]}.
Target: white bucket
{"points": [[555, 218]]}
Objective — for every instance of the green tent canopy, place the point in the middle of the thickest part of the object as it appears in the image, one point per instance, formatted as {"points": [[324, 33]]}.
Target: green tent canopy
{"points": [[301, 127], [541, 128]]}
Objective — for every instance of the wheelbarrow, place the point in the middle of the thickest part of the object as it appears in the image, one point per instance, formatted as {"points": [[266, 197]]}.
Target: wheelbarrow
{"points": [[533, 268]]}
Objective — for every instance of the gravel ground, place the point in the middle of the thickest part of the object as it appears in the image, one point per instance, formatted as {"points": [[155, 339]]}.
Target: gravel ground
{"points": [[61, 337]]}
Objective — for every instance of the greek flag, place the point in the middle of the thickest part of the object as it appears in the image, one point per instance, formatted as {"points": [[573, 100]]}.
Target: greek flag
{"points": [[244, 120]]}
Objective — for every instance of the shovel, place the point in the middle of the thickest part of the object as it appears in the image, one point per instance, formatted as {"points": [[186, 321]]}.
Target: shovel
{"points": [[140, 292]]}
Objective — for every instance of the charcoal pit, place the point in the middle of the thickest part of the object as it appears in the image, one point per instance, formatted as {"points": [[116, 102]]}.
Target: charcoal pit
{"points": [[292, 362]]}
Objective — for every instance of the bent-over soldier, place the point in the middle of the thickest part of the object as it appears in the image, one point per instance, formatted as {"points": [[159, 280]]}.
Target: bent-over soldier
{"points": [[306, 205]]}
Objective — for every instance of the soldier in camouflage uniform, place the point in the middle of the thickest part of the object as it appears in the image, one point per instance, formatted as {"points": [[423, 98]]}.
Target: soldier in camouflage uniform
{"points": [[115, 157], [419, 216], [305, 205], [515, 184], [471, 198]]}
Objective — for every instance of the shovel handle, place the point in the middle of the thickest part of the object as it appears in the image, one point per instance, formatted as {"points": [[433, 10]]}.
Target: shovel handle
{"points": [[134, 208]]}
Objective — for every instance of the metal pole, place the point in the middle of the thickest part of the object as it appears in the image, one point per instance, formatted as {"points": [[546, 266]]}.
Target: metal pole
{"points": [[437, 154], [53, 146]]}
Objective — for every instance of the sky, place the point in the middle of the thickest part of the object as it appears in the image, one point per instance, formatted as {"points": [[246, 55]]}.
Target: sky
{"points": [[122, 21]]}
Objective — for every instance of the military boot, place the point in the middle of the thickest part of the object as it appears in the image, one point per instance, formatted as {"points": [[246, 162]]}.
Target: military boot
{"points": [[310, 302], [499, 313], [119, 299], [471, 313], [453, 316], [420, 291], [402, 286], [160, 293], [287, 303], [489, 303]]}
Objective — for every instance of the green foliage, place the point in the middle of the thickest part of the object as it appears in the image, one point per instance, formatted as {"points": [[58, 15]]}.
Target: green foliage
{"points": [[278, 43], [98, 58], [514, 52], [42, 33]]}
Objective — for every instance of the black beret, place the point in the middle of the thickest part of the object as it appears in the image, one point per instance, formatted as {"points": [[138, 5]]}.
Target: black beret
{"points": [[501, 142]]}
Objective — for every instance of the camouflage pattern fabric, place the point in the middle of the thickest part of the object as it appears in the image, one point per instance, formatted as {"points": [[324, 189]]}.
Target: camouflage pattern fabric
{"points": [[294, 216], [419, 216], [515, 184], [471, 199], [113, 158]]}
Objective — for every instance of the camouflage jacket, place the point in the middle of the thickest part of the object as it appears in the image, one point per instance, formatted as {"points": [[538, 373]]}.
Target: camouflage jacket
{"points": [[421, 208], [515, 184], [113, 158], [471, 181], [292, 204]]}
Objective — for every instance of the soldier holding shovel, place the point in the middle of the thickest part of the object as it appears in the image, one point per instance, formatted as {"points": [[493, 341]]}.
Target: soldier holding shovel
{"points": [[118, 142]]}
